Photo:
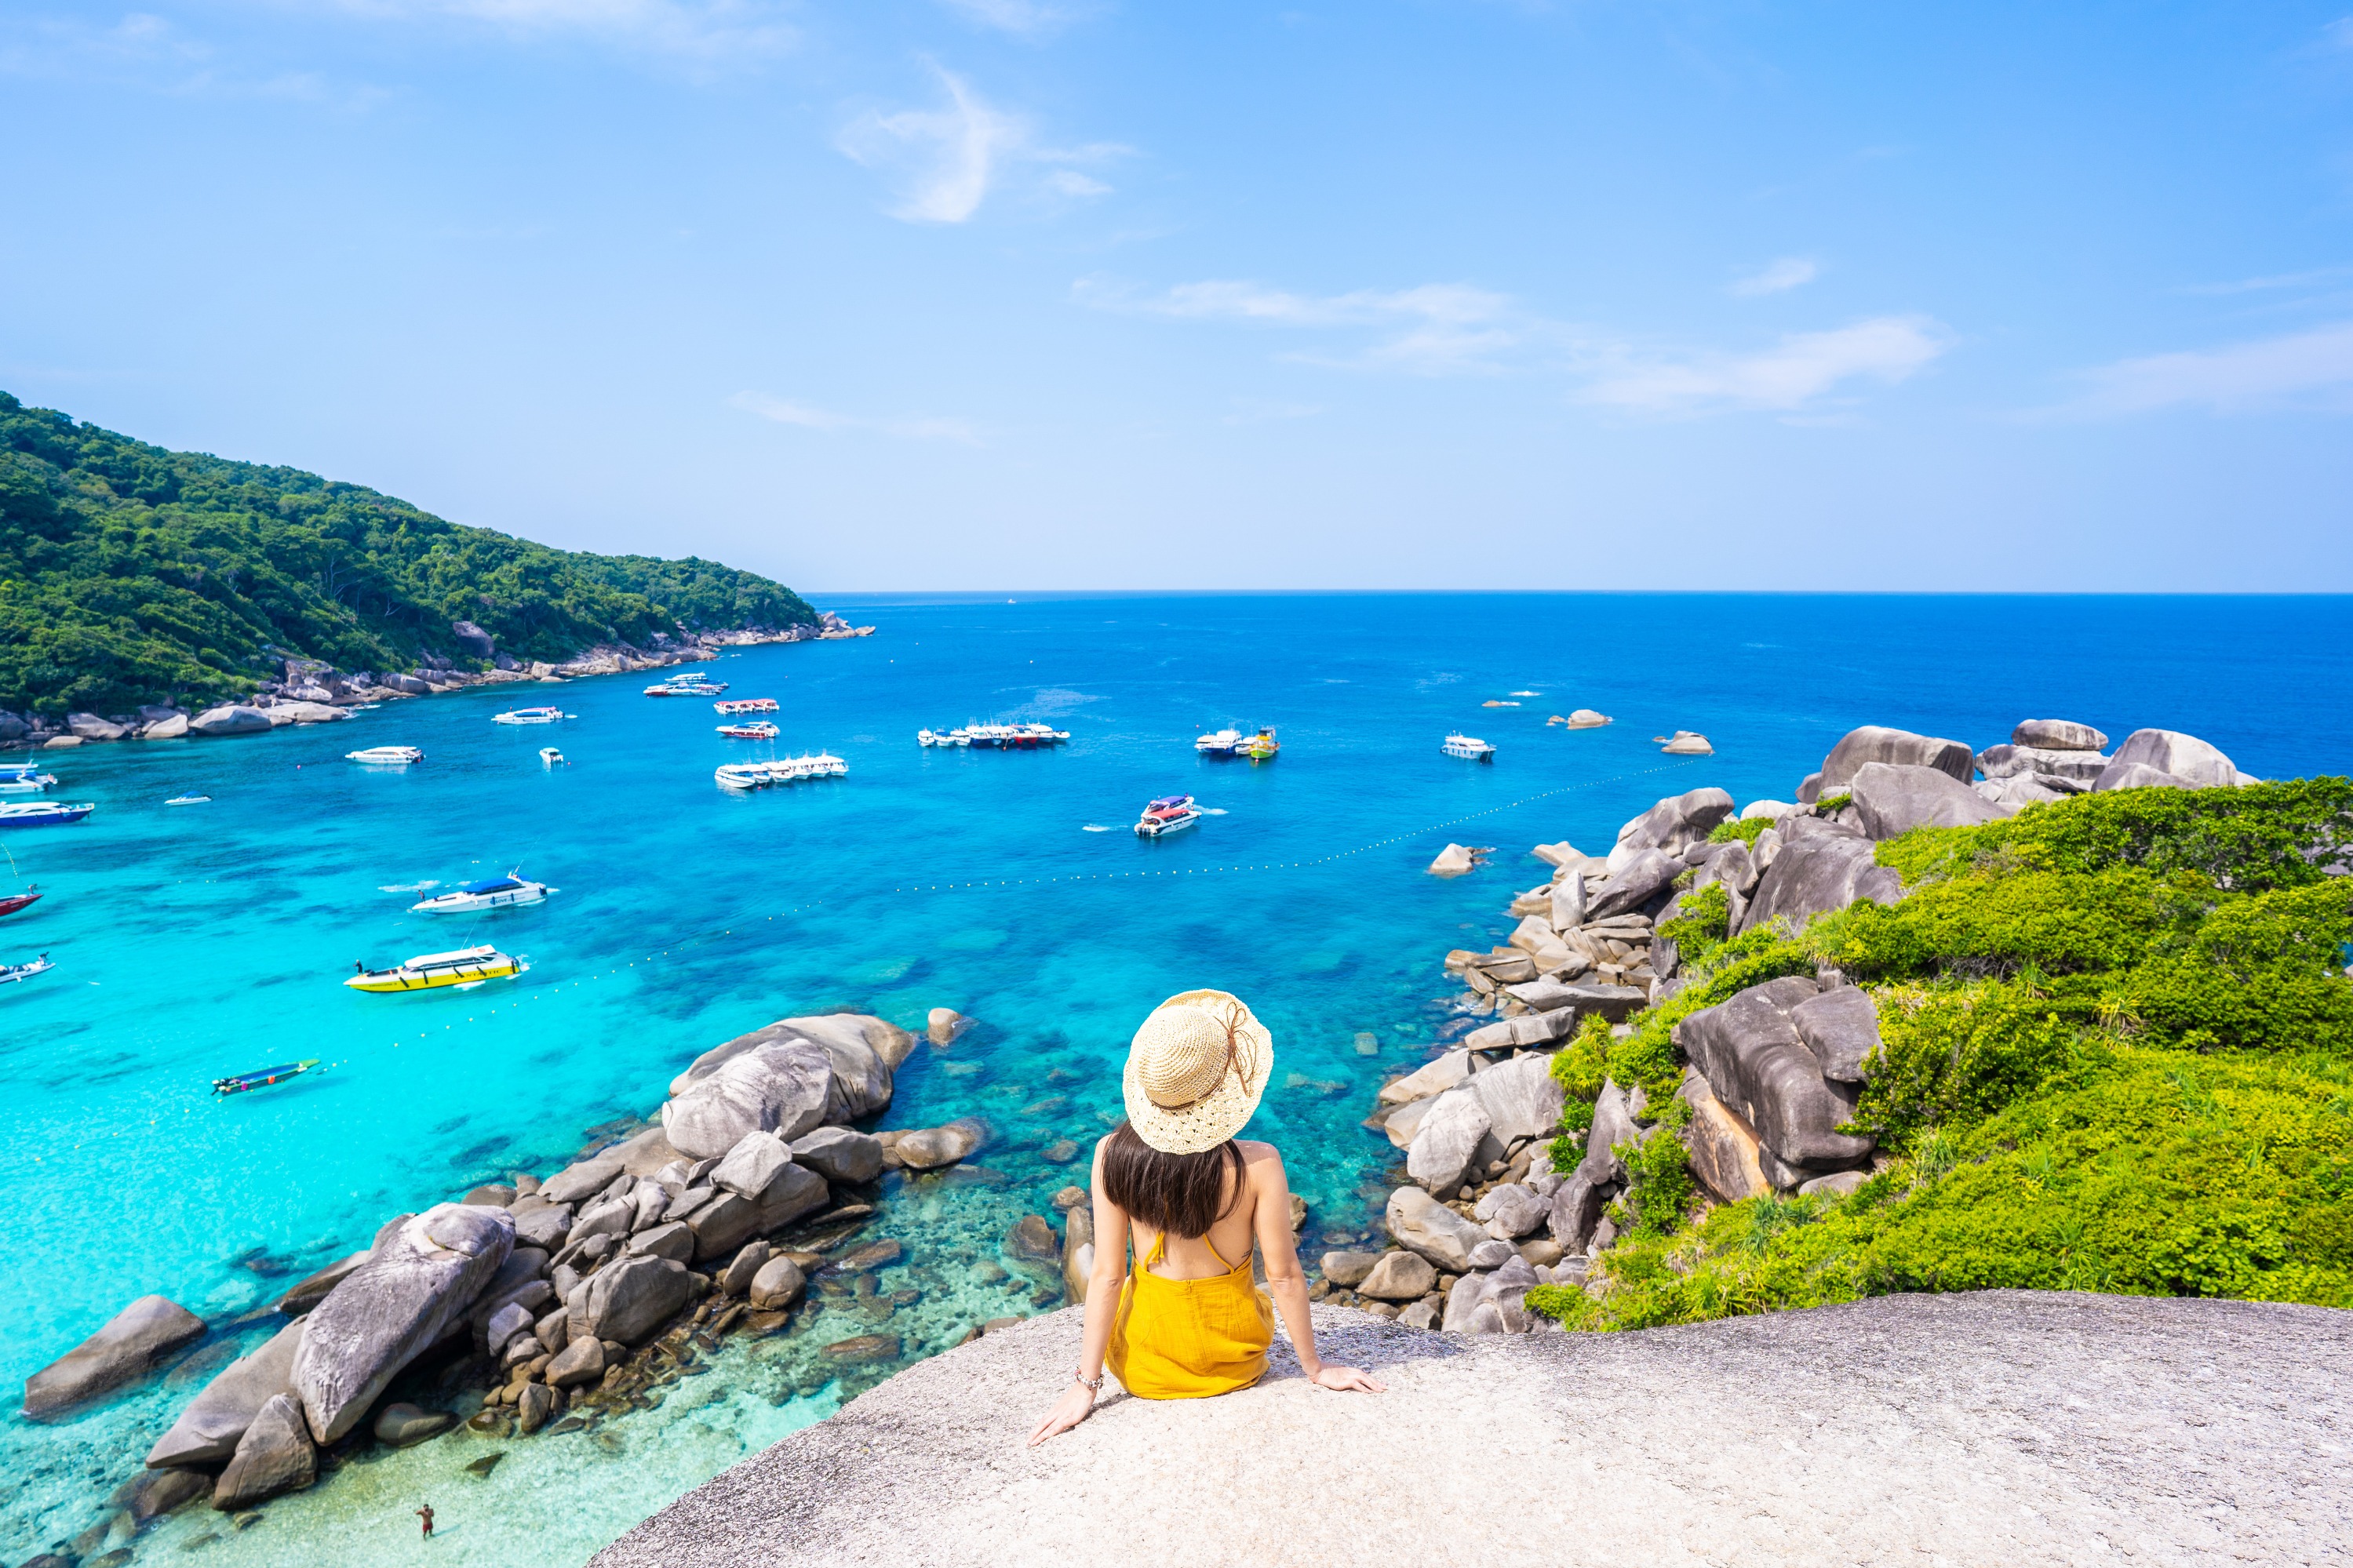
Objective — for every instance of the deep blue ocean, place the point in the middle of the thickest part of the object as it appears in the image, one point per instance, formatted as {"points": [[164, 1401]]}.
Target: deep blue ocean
{"points": [[195, 941]]}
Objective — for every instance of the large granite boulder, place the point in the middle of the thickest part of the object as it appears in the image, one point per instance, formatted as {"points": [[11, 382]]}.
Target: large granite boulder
{"points": [[1431, 1078], [1817, 872], [1398, 1276], [1840, 1027], [1895, 798], [576, 1184], [632, 1296], [231, 719], [722, 1225], [1732, 865], [781, 1086], [276, 1454], [2140, 775], [1454, 1140], [2057, 735], [1674, 825], [167, 729], [1749, 1050], [1720, 1147], [863, 1051], [131, 1343], [91, 727], [1874, 743], [1421, 1223], [207, 1431], [2078, 768], [932, 1148], [2170, 752], [777, 1285], [311, 1290], [1645, 875], [282, 713], [1520, 1098], [839, 1155], [413, 1288]]}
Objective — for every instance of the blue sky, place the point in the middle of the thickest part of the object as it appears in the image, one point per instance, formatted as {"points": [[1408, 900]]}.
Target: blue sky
{"points": [[974, 293]]}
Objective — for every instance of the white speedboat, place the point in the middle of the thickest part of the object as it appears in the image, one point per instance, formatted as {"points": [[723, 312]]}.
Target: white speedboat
{"points": [[1218, 743], [188, 800], [1469, 748], [533, 716], [492, 893], [742, 775], [755, 730], [12, 971], [25, 780], [549, 757], [1169, 813], [390, 757]]}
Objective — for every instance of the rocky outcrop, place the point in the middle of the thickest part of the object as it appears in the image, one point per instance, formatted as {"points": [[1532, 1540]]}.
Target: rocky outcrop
{"points": [[780, 1086], [412, 1289], [1874, 743], [2177, 757], [1420, 1222], [2057, 735], [207, 1431], [276, 1454], [629, 1299], [133, 1340], [1751, 1052], [1891, 799], [1815, 872], [1672, 826], [231, 719]]}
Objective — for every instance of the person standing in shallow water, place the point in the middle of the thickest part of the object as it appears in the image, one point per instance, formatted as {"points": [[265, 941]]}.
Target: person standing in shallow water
{"points": [[1173, 1185], [426, 1513]]}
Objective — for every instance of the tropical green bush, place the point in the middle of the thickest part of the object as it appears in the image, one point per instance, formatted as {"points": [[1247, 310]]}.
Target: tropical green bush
{"points": [[2116, 1054], [132, 574]]}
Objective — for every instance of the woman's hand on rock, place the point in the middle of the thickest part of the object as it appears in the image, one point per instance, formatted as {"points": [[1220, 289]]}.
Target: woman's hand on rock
{"points": [[1078, 1402], [1340, 1377]]}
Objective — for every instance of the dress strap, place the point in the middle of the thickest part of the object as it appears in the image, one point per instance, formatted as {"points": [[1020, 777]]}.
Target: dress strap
{"points": [[1220, 1257], [1160, 1249]]}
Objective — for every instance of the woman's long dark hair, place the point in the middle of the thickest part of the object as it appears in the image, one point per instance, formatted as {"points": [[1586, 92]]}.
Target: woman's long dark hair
{"points": [[1178, 1194]]}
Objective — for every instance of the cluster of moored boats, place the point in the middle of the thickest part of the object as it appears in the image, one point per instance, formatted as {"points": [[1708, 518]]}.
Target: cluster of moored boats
{"points": [[1261, 747], [995, 737], [780, 771]]}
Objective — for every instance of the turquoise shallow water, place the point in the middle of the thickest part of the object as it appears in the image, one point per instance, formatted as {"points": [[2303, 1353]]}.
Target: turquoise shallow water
{"points": [[200, 941]]}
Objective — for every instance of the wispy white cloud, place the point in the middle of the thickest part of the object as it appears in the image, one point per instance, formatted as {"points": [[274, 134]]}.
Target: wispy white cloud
{"points": [[1777, 278], [950, 157], [782, 411], [148, 52], [1022, 17], [1436, 328], [2318, 275], [2339, 33], [1801, 371], [709, 35], [2310, 370]]}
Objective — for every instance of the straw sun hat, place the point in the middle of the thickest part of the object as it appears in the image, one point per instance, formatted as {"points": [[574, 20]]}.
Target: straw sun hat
{"points": [[1195, 1071]]}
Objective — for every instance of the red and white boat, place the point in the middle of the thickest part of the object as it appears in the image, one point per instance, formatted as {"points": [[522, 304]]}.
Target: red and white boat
{"points": [[1169, 813], [746, 705], [14, 901]]}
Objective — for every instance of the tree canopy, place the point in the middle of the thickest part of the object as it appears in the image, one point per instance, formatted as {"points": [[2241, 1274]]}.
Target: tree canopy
{"points": [[132, 574]]}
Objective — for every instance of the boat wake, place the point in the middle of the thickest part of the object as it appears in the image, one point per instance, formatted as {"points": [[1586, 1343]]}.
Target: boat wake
{"points": [[1211, 810], [408, 887], [1095, 827]]}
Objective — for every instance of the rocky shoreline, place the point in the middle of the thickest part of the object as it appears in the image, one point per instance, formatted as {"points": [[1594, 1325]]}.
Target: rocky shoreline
{"points": [[1510, 1182], [551, 1306], [310, 692]]}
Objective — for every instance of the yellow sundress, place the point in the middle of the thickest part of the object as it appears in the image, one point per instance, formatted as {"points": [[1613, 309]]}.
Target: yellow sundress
{"points": [[1187, 1339]]}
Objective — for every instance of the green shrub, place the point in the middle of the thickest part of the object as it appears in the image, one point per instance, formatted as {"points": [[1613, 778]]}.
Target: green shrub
{"points": [[1701, 923], [1744, 830]]}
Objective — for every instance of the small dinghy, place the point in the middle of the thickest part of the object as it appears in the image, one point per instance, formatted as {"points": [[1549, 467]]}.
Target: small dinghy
{"points": [[549, 757], [10, 972], [261, 1078], [14, 901]]}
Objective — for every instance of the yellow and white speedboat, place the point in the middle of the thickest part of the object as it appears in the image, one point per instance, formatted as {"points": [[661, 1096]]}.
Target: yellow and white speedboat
{"points": [[430, 971]]}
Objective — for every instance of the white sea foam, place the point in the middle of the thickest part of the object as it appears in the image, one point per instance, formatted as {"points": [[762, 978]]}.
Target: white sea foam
{"points": [[1095, 827], [408, 887]]}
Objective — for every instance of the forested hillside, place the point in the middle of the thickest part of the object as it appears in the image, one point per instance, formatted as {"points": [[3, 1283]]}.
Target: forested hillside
{"points": [[132, 574]]}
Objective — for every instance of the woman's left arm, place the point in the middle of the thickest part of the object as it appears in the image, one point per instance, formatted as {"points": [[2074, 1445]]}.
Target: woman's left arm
{"points": [[1287, 1282]]}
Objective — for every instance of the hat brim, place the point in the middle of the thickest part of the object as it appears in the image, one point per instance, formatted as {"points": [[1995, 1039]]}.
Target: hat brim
{"points": [[1225, 1109]]}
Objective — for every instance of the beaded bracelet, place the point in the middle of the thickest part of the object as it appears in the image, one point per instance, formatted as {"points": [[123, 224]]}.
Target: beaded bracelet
{"points": [[1091, 1385]]}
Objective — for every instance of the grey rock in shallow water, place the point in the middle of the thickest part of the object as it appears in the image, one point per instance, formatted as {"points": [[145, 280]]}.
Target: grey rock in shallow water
{"points": [[231, 719], [1874, 743], [736, 1277], [930, 1148], [1418, 1221], [779, 1087], [274, 1456], [131, 1343], [722, 1225], [402, 1424], [2057, 735], [839, 1155], [412, 1289], [1345, 1268], [630, 1298], [207, 1431], [312, 1290], [151, 1494], [862, 1051], [1895, 798], [778, 1284], [582, 1360]]}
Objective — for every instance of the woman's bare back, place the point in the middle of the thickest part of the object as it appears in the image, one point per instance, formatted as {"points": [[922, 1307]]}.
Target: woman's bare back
{"points": [[1233, 1235]]}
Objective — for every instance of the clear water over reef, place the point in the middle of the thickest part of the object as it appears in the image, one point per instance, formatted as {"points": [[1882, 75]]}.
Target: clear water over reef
{"points": [[199, 940]]}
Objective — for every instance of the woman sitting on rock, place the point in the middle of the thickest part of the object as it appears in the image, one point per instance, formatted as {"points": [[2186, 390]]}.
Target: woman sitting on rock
{"points": [[1174, 1183]]}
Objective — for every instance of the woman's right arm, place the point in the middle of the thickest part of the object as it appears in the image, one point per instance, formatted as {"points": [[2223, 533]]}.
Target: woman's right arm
{"points": [[1078, 1400]]}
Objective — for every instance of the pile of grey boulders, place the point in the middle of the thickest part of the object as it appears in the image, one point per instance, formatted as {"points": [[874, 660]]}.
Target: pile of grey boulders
{"points": [[572, 1295], [1772, 1072]]}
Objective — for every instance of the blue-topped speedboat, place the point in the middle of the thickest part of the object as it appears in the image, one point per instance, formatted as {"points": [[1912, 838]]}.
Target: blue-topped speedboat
{"points": [[491, 893], [42, 814]]}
